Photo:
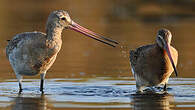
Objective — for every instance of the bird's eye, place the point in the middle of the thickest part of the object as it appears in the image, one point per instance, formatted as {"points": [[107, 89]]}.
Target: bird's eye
{"points": [[63, 18]]}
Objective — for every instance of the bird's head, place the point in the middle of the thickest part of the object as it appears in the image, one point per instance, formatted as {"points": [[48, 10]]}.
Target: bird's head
{"points": [[164, 38], [62, 20], [164, 41]]}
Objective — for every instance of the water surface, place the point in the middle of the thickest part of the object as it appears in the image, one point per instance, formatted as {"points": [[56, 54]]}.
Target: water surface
{"points": [[101, 92]]}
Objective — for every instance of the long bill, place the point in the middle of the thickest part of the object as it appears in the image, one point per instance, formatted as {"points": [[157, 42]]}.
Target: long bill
{"points": [[167, 47], [76, 27]]}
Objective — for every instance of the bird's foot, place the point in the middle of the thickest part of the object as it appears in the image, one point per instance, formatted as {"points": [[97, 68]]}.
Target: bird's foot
{"points": [[41, 90], [20, 91]]}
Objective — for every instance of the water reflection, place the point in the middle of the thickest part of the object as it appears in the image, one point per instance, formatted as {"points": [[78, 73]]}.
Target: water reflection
{"points": [[29, 103], [153, 101], [95, 93]]}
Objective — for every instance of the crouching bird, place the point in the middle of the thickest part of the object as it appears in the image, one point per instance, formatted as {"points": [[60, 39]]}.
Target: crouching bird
{"points": [[153, 64], [32, 53]]}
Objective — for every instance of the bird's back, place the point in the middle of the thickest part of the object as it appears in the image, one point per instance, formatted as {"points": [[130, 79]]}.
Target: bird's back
{"points": [[21, 38], [31, 52], [151, 64]]}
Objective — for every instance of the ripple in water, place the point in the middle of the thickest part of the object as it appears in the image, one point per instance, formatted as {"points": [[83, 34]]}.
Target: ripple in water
{"points": [[94, 92]]}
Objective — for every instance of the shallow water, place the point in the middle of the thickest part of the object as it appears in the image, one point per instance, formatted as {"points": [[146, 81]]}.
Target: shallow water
{"points": [[101, 92]]}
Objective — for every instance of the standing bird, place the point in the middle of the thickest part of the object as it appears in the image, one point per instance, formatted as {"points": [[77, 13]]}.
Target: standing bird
{"points": [[153, 64], [32, 53]]}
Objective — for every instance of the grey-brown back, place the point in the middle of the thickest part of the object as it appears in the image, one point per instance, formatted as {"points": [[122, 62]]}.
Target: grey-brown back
{"points": [[24, 37], [148, 63], [32, 53]]}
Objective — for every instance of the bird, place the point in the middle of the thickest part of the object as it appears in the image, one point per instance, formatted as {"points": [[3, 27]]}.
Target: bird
{"points": [[33, 53], [153, 64]]}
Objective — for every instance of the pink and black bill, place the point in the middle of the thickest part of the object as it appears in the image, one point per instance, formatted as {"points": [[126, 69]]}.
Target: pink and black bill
{"points": [[76, 27], [167, 48]]}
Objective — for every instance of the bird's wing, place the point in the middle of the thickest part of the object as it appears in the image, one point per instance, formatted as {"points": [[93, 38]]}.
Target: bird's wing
{"points": [[144, 60], [138, 53], [22, 37]]}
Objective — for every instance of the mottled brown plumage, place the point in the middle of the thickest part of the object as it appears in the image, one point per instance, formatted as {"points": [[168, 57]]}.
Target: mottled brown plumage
{"points": [[32, 53], [151, 64]]}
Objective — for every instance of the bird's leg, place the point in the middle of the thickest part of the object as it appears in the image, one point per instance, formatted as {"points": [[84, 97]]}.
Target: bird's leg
{"points": [[19, 77], [165, 87], [42, 82], [20, 87]]}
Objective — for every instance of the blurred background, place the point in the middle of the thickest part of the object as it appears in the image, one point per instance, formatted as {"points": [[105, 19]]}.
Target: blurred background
{"points": [[131, 22]]}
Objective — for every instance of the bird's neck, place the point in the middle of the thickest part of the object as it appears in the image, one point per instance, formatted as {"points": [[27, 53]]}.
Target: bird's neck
{"points": [[53, 32], [159, 47]]}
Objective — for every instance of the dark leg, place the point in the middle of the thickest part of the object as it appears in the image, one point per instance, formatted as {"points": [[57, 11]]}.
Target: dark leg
{"points": [[41, 85], [165, 87], [42, 82], [20, 87], [19, 77]]}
